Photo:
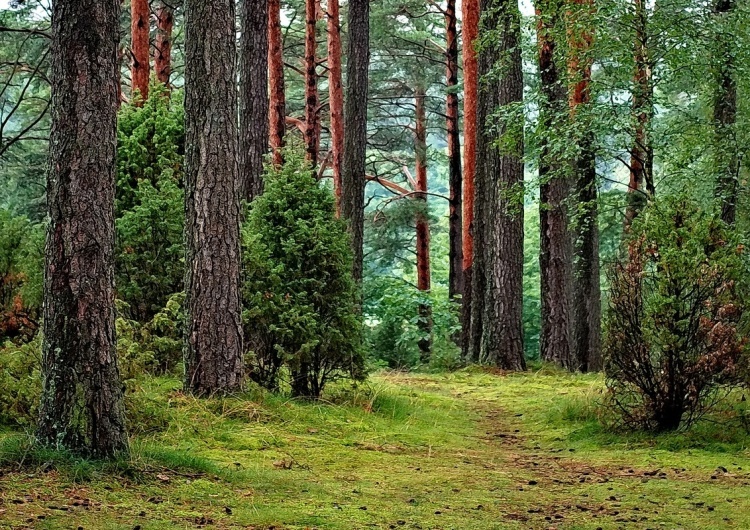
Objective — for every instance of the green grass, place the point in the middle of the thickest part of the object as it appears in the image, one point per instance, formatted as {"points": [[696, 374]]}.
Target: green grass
{"points": [[453, 451]]}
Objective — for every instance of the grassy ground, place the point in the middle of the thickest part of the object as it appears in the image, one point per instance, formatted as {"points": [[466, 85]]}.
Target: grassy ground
{"points": [[468, 450]]}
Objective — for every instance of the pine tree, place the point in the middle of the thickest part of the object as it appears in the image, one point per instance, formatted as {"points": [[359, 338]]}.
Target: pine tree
{"points": [[82, 404]]}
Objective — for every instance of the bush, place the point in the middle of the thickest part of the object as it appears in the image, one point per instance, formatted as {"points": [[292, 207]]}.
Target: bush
{"points": [[299, 295], [21, 272], [20, 382], [150, 204], [672, 336]]}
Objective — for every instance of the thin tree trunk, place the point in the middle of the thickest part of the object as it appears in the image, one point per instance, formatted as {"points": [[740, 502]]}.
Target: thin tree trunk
{"points": [[586, 288], [277, 109], [455, 234], [470, 31], [213, 356], [725, 112], [140, 27], [641, 184], [311, 82], [335, 97], [498, 234], [423, 225], [163, 46], [253, 100], [82, 403], [555, 255], [355, 123]]}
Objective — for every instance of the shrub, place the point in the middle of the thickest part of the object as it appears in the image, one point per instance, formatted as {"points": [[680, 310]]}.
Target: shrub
{"points": [[150, 204], [672, 338], [299, 295], [21, 271], [20, 382]]}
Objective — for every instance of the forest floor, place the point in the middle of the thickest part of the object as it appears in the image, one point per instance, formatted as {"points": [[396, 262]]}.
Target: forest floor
{"points": [[468, 450]]}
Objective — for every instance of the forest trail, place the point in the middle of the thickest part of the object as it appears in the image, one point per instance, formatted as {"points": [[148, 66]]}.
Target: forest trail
{"points": [[469, 450]]}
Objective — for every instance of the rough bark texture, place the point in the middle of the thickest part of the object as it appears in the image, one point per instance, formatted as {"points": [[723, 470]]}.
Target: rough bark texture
{"points": [[423, 225], [140, 27], [213, 356], [277, 109], [470, 31], [455, 233], [163, 44], [82, 407], [587, 307], [497, 271], [311, 82], [253, 101], [725, 113], [641, 184], [355, 123], [555, 255], [335, 97]]}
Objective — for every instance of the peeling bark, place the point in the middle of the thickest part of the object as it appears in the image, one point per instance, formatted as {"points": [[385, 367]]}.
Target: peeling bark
{"points": [[335, 98], [163, 45], [140, 27], [277, 109]]}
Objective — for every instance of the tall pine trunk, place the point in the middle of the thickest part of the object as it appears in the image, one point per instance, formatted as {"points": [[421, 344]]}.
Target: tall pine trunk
{"points": [[335, 97], [163, 44], [82, 403], [455, 234], [555, 254], [311, 82], [641, 183], [355, 124], [470, 31], [140, 27], [497, 272], [587, 308], [277, 109], [253, 100], [213, 356], [423, 225], [725, 111]]}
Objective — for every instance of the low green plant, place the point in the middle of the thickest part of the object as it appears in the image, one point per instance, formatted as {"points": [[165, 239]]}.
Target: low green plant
{"points": [[299, 294]]}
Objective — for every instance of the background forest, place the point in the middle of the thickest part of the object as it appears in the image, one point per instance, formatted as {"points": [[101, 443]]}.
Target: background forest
{"points": [[536, 209]]}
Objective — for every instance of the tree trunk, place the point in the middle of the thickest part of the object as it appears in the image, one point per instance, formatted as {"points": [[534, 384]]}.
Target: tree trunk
{"points": [[311, 83], [213, 356], [498, 261], [140, 27], [470, 30], [163, 47], [455, 251], [586, 288], [641, 184], [555, 255], [335, 97], [355, 124], [277, 109], [82, 404], [253, 100], [423, 225], [725, 112]]}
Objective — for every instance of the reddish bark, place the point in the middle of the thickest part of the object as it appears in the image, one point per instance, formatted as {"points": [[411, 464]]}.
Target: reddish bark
{"points": [[163, 45], [277, 110], [423, 226], [139, 47], [641, 183], [470, 30], [311, 83], [455, 258], [335, 97]]}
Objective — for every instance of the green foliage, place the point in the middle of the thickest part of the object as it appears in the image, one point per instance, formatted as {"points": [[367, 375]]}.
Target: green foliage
{"points": [[299, 295], [20, 382], [393, 324], [673, 335], [150, 204]]}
